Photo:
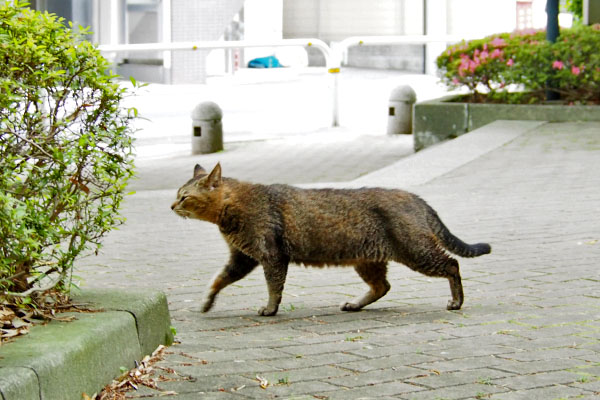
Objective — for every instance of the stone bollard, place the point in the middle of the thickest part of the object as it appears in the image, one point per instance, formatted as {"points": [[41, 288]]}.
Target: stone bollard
{"points": [[400, 112], [207, 130]]}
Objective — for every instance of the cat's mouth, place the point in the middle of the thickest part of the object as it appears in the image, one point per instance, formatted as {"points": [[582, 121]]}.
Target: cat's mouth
{"points": [[183, 214]]}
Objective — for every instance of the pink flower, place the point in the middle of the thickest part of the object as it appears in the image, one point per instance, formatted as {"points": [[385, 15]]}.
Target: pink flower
{"points": [[484, 54], [473, 65], [510, 62], [498, 42], [455, 81], [558, 64], [497, 53], [575, 70]]}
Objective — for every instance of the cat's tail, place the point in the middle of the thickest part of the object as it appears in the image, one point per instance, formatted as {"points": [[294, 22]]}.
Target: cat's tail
{"points": [[454, 244]]}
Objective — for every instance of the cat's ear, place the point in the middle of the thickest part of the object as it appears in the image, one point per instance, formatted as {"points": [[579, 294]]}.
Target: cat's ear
{"points": [[214, 178], [198, 170]]}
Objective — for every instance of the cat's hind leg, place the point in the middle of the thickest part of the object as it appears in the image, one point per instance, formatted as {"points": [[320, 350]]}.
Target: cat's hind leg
{"points": [[433, 261], [239, 266], [374, 274]]}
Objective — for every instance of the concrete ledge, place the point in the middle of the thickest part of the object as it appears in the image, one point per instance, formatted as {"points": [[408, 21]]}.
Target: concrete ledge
{"points": [[438, 160], [435, 161], [149, 309], [62, 360], [437, 120]]}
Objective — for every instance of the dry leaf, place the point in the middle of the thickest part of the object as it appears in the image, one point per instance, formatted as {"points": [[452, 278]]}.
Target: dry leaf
{"points": [[262, 382]]}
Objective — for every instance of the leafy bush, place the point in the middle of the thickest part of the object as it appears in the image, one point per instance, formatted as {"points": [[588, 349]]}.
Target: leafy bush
{"points": [[65, 149], [575, 7], [493, 67]]}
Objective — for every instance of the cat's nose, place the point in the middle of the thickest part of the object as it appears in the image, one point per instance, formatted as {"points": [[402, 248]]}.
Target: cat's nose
{"points": [[173, 206]]}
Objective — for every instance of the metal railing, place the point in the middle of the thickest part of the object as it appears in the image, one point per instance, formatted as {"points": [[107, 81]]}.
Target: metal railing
{"points": [[335, 56], [331, 63]]}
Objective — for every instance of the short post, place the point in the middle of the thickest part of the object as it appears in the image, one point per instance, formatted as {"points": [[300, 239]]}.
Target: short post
{"points": [[207, 129], [400, 110]]}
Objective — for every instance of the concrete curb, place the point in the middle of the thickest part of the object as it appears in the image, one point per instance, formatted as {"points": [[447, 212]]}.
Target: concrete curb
{"points": [[437, 160], [62, 360]]}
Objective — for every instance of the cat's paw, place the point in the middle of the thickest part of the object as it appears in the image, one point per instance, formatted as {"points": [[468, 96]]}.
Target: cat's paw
{"points": [[453, 305], [266, 312], [346, 306], [207, 305]]}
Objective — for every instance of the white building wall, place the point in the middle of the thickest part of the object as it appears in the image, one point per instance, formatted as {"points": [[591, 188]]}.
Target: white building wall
{"points": [[195, 20], [301, 18], [478, 18], [334, 20], [343, 18]]}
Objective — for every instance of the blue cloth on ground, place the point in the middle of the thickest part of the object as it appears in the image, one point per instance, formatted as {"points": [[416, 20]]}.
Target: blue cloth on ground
{"points": [[264, 62]]}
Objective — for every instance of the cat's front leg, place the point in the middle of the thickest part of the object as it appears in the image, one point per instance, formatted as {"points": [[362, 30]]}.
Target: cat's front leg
{"points": [[275, 274], [238, 267]]}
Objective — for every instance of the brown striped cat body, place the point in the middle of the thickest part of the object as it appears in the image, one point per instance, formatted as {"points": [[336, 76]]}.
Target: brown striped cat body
{"points": [[274, 225]]}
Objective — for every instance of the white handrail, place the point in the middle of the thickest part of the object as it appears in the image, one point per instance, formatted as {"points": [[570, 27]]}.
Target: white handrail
{"points": [[218, 44], [331, 62]]}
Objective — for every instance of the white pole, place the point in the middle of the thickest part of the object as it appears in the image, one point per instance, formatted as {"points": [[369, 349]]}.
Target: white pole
{"points": [[166, 37]]}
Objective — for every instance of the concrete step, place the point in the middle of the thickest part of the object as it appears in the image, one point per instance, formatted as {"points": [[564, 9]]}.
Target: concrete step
{"points": [[62, 360]]}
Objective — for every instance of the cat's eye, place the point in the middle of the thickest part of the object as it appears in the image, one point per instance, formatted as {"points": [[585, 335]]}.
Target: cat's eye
{"points": [[182, 199]]}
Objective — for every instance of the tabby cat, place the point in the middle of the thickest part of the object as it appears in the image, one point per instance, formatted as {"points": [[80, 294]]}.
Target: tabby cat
{"points": [[275, 225]]}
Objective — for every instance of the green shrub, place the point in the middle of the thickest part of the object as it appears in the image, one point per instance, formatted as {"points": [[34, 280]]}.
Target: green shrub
{"points": [[65, 149], [520, 67]]}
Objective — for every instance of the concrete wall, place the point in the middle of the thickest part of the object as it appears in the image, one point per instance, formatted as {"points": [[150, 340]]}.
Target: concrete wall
{"points": [[193, 20]]}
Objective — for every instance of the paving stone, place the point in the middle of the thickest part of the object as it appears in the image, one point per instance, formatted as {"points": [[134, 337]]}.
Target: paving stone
{"points": [[375, 377], [287, 390], [445, 379], [537, 380], [545, 393], [372, 391], [313, 360], [386, 362], [470, 391]]}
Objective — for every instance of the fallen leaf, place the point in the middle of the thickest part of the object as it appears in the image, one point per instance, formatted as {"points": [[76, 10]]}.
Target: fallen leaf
{"points": [[262, 382], [19, 323], [6, 315]]}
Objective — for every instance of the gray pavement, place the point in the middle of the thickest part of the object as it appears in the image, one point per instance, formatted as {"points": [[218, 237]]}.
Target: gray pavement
{"points": [[530, 325]]}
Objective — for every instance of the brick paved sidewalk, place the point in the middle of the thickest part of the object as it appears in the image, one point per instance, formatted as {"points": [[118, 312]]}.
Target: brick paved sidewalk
{"points": [[529, 328]]}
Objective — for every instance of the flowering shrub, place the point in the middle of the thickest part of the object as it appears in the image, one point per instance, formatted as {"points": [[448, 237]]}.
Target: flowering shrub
{"points": [[576, 64], [527, 64]]}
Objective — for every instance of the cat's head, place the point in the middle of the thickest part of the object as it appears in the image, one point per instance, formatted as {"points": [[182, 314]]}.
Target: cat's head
{"points": [[200, 197]]}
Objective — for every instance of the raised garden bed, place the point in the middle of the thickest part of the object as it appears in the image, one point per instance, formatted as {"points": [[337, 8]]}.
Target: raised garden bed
{"points": [[445, 118]]}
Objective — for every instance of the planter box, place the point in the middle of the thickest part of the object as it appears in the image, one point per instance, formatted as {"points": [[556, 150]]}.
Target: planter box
{"points": [[441, 119]]}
